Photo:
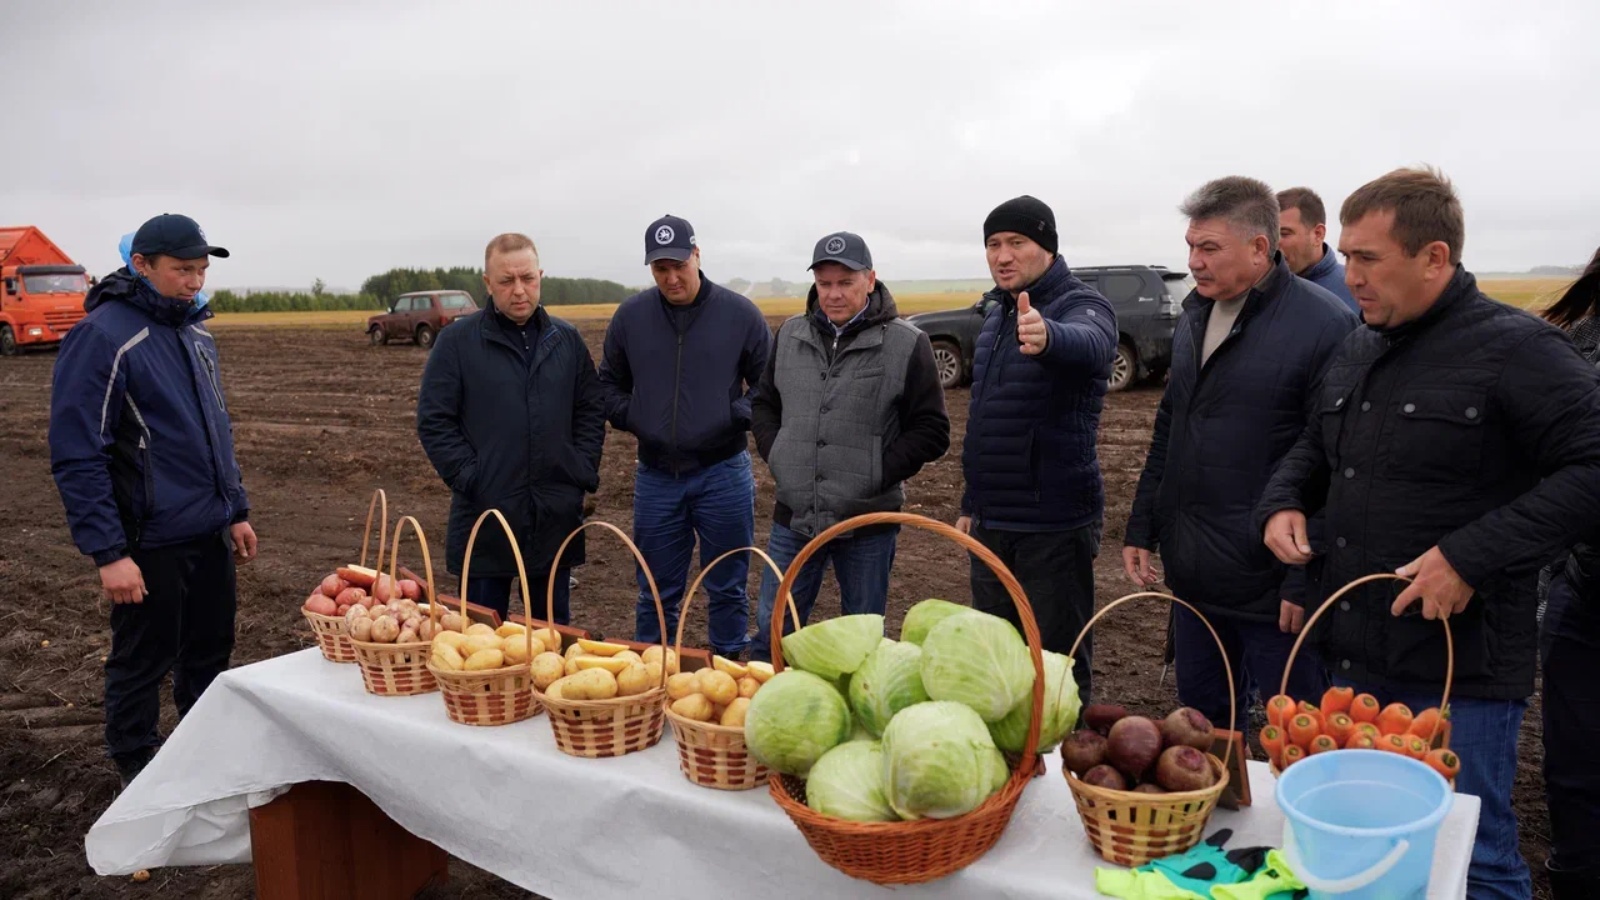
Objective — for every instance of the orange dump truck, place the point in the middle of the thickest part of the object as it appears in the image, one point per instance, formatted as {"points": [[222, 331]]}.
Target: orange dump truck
{"points": [[41, 290]]}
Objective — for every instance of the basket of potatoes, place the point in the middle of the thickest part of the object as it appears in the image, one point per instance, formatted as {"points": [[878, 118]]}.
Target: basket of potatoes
{"points": [[392, 640], [706, 708], [326, 608], [608, 700]]}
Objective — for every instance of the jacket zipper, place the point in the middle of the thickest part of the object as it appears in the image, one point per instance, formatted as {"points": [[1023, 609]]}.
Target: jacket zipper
{"points": [[144, 455], [211, 373], [677, 393]]}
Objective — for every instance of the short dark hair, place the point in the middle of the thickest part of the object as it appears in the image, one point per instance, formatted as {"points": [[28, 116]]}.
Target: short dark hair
{"points": [[1312, 212], [1244, 202], [1425, 206]]}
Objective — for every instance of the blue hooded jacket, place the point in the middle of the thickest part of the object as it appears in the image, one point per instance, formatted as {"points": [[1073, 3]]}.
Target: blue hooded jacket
{"points": [[141, 445], [1328, 273]]}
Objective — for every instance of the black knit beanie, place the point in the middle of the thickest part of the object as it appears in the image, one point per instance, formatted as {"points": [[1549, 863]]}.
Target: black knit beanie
{"points": [[1026, 216]]}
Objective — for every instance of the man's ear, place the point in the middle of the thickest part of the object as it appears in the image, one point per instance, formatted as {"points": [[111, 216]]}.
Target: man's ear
{"points": [[1320, 233]]}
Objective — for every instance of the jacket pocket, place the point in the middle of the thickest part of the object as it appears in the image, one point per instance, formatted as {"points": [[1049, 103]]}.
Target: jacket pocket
{"points": [[1438, 434], [146, 462]]}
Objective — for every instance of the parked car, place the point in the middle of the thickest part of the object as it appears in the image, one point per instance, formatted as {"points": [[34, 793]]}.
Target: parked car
{"points": [[1147, 299], [418, 316]]}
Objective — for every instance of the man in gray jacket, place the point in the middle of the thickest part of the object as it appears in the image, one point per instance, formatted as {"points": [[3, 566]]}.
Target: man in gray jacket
{"points": [[849, 407]]}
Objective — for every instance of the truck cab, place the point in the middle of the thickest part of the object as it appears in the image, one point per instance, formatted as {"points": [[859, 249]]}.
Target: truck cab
{"points": [[41, 291]]}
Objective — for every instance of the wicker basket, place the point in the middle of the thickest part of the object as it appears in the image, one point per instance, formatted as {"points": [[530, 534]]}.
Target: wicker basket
{"points": [[925, 849], [602, 728], [713, 755], [1130, 828], [496, 696], [1441, 730], [332, 637], [399, 670]]}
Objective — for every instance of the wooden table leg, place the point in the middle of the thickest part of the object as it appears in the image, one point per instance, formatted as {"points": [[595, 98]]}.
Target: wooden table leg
{"points": [[325, 840]]}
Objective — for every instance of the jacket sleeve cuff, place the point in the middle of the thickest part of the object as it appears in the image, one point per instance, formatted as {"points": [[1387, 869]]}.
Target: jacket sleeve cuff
{"points": [[107, 557], [1473, 567], [1294, 586], [242, 515]]}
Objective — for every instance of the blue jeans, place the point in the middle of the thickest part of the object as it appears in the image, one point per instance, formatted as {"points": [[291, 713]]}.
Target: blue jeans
{"points": [[717, 504], [495, 592], [1483, 733], [861, 564], [1257, 652]]}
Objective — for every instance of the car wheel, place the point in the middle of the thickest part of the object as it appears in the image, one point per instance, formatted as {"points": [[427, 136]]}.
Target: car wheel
{"points": [[947, 361], [376, 336], [424, 336], [1123, 367], [8, 341]]}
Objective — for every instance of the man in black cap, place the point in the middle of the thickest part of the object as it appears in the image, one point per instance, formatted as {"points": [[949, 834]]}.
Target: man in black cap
{"points": [[141, 447], [681, 362], [849, 407], [1032, 469]]}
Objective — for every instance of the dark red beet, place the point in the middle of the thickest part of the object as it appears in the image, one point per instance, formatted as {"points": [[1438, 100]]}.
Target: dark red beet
{"points": [[1183, 768], [1101, 716], [1106, 777], [1082, 751], [1187, 727], [1133, 746]]}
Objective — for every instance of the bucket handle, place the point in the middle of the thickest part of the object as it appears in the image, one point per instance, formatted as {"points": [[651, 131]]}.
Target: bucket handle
{"points": [[1291, 855]]}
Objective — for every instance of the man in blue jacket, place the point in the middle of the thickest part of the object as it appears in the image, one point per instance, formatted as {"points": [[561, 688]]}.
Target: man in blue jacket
{"points": [[681, 363], [1247, 354], [1302, 236], [511, 415], [1030, 459], [141, 448]]}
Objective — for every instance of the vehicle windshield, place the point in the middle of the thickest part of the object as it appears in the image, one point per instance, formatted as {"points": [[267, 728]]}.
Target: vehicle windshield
{"points": [[456, 301], [64, 283]]}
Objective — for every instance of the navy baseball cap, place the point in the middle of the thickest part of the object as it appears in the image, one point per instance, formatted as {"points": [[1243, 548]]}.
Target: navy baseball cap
{"points": [[173, 235], [844, 248], [668, 237]]}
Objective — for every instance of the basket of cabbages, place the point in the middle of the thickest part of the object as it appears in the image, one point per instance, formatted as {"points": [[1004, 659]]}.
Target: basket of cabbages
{"points": [[1144, 788]]}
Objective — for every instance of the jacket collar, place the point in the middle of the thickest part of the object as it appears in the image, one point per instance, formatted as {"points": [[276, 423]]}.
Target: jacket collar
{"points": [[1462, 285], [1323, 266], [125, 286], [880, 310], [1272, 284]]}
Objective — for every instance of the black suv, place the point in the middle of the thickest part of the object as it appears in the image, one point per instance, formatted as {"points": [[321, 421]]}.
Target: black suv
{"points": [[1147, 299]]}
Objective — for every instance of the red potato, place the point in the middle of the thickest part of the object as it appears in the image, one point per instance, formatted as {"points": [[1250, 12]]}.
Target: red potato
{"points": [[351, 596], [410, 589], [333, 585], [342, 610], [360, 576], [384, 590], [321, 605]]}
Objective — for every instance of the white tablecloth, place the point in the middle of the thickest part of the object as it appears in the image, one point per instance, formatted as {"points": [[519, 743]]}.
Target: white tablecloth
{"points": [[506, 800]]}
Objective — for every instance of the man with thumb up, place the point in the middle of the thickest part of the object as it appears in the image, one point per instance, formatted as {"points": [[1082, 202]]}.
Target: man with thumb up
{"points": [[1033, 491]]}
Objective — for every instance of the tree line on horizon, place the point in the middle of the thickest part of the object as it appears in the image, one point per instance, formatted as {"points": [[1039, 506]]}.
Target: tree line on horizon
{"points": [[380, 290]]}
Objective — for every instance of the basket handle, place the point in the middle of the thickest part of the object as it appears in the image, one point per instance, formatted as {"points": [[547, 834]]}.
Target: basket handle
{"points": [[427, 561], [1227, 667], [1030, 626], [522, 572], [649, 578], [378, 496], [688, 598], [1449, 642]]}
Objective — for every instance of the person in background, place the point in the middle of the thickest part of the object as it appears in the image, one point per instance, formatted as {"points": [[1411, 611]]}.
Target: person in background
{"points": [[1302, 235], [1455, 441], [849, 407], [1569, 651], [141, 447], [512, 417]]}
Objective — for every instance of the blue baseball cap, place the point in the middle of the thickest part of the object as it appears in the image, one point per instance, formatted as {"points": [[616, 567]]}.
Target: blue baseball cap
{"points": [[173, 235], [668, 237], [844, 248]]}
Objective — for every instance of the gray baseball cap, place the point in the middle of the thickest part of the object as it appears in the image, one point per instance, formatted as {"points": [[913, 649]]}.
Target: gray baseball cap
{"points": [[844, 248]]}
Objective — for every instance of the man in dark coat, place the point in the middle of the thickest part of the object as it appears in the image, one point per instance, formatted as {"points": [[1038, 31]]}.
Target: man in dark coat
{"points": [[511, 415], [1455, 440], [1302, 229], [1030, 460], [1248, 350]]}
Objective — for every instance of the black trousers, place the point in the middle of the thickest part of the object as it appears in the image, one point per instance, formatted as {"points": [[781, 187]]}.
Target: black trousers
{"points": [[1056, 570], [1570, 652], [184, 626]]}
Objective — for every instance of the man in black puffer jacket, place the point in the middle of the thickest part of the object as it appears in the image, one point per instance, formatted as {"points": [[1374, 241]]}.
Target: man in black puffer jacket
{"points": [[1248, 351], [1455, 440], [1039, 376]]}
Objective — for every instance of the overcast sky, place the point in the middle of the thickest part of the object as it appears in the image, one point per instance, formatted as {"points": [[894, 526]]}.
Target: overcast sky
{"points": [[340, 139]]}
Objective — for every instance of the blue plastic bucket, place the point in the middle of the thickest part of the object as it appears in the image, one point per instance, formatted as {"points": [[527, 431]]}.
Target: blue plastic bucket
{"points": [[1361, 824]]}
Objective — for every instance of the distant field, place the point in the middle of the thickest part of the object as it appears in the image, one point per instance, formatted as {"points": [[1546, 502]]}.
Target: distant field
{"points": [[1528, 293]]}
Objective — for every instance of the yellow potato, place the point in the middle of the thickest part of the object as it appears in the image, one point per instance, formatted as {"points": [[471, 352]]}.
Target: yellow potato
{"points": [[717, 709], [680, 685], [653, 672], [451, 639], [476, 642], [446, 657], [479, 628], [719, 687], [547, 669], [610, 663], [629, 655], [654, 654], [635, 679], [485, 659], [554, 690], [574, 650], [760, 671], [510, 628], [748, 687], [590, 684], [601, 648], [723, 664], [733, 716], [570, 667], [550, 637], [515, 649], [452, 621], [694, 706]]}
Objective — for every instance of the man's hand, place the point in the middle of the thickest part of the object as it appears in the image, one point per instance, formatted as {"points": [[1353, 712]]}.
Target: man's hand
{"points": [[1435, 582], [244, 542], [1286, 537], [1291, 617], [1031, 332], [964, 524], [122, 582], [1136, 562]]}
